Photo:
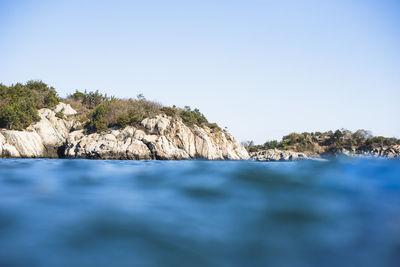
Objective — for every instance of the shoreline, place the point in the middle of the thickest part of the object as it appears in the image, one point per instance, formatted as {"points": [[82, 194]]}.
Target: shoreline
{"points": [[323, 158], [159, 138]]}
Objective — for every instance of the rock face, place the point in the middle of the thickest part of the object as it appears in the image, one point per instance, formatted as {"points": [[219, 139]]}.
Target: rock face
{"points": [[161, 137], [41, 139]]}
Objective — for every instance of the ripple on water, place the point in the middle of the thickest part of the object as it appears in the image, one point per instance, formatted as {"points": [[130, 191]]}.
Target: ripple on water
{"points": [[199, 213]]}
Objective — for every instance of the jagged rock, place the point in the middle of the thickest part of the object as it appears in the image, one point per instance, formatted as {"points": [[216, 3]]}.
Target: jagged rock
{"points": [[279, 155], [197, 142], [52, 130], [66, 109], [287, 155], [41, 139], [138, 150], [162, 148], [384, 151], [28, 144], [166, 138], [106, 146], [9, 151]]}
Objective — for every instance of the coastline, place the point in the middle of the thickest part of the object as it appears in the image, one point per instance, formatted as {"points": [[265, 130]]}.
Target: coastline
{"points": [[158, 138], [161, 138]]}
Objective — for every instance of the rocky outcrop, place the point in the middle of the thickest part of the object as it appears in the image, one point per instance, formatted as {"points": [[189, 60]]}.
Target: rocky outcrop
{"points": [[114, 144], [279, 155], [288, 155], [381, 152], [161, 137], [41, 139]]}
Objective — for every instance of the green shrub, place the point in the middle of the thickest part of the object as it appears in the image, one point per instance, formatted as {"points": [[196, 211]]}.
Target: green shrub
{"points": [[90, 100], [255, 148], [19, 106], [132, 118], [123, 121], [19, 103], [137, 117], [213, 126], [98, 122], [121, 113], [51, 100], [78, 96], [271, 144], [192, 117], [17, 116], [60, 115], [170, 111]]}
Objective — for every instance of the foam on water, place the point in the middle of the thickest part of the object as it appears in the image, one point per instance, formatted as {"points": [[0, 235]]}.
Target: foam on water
{"points": [[199, 213]]}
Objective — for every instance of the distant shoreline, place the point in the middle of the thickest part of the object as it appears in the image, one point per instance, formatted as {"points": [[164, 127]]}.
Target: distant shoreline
{"points": [[297, 146]]}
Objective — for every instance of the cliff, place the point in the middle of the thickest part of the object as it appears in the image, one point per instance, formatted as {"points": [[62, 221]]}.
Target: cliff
{"points": [[161, 137]]}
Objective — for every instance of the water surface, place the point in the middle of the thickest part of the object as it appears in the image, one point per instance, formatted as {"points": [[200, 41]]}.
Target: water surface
{"points": [[199, 213]]}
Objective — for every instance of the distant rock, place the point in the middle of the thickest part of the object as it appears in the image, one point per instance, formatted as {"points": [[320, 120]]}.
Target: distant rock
{"points": [[279, 155], [382, 152], [288, 155]]}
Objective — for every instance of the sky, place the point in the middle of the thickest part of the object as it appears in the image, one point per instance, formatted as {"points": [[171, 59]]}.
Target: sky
{"points": [[263, 69]]}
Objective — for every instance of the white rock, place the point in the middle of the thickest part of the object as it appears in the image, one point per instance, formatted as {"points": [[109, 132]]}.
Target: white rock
{"points": [[139, 134], [110, 137], [138, 150], [66, 109], [28, 144], [9, 151], [279, 155], [2, 139], [41, 139]]}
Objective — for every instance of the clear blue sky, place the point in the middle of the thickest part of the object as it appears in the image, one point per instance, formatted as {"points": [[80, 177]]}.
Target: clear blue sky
{"points": [[261, 68]]}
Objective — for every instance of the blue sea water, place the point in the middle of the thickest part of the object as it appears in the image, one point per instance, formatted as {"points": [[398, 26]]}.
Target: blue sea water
{"points": [[59, 213]]}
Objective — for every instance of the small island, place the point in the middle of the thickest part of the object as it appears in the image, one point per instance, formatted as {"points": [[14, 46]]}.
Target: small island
{"points": [[316, 145]]}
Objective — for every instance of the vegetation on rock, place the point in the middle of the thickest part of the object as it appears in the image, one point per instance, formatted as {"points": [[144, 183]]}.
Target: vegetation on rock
{"points": [[326, 142], [103, 112], [19, 106], [195, 117], [19, 103]]}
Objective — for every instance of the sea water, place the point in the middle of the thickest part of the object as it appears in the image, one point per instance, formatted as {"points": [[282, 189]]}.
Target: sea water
{"points": [[68, 213]]}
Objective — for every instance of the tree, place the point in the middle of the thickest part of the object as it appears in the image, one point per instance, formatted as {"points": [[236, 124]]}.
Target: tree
{"points": [[361, 135], [140, 97], [247, 144], [19, 103], [97, 122]]}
